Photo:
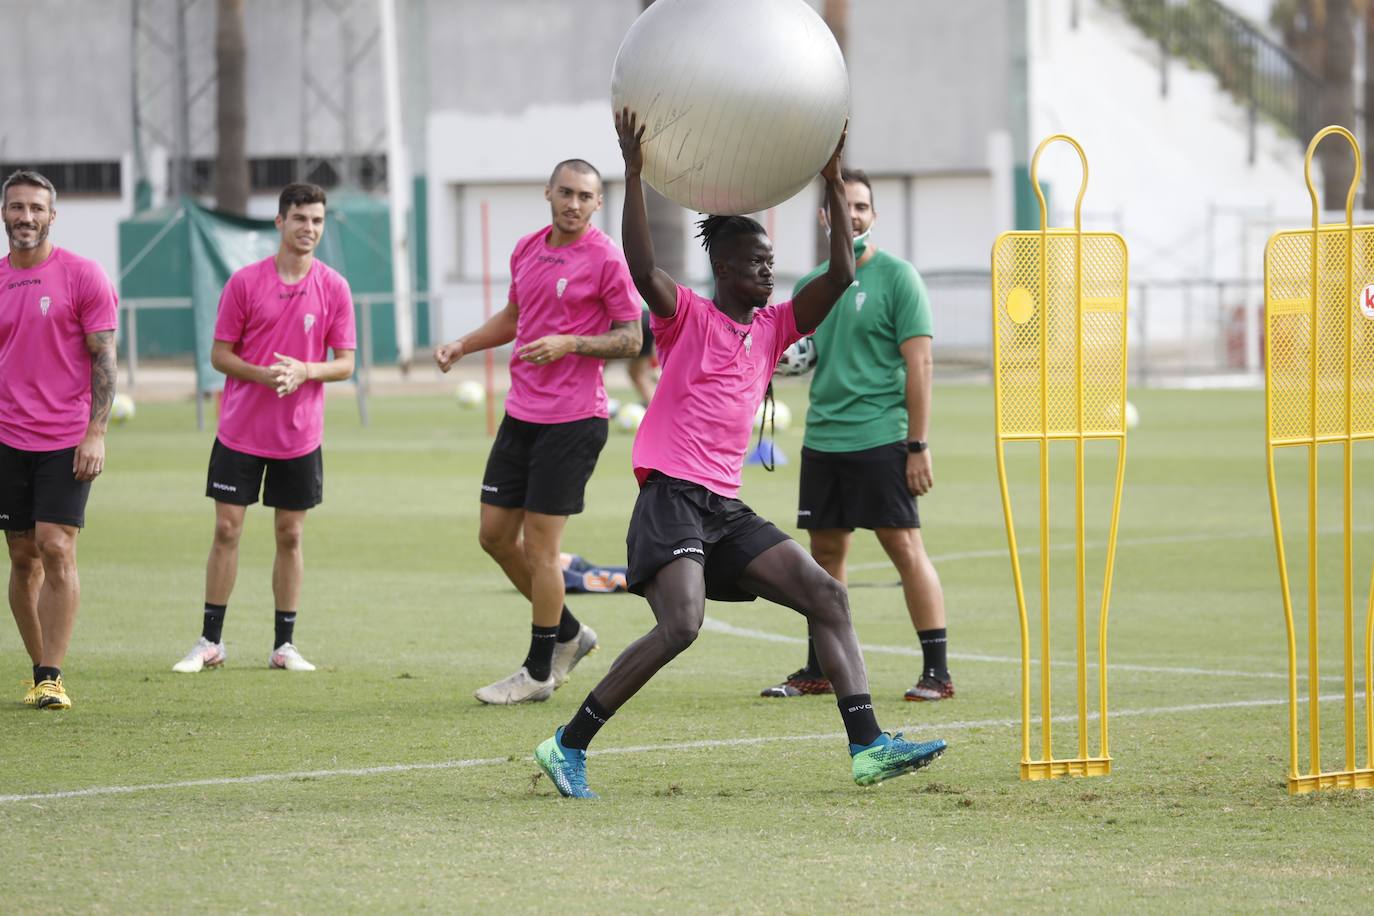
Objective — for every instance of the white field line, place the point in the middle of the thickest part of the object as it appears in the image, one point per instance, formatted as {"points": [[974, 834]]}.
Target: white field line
{"points": [[362, 772], [719, 626]]}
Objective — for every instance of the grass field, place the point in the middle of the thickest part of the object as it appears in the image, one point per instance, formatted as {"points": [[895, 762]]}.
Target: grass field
{"points": [[379, 784]]}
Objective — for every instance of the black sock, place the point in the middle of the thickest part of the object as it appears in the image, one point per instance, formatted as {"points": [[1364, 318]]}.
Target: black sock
{"points": [[568, 626], [812, 662], [41, 673], [35, 674], [213, 627], [580, 731], [286, 626], [860, 721], [540, 660], [933, 643]]}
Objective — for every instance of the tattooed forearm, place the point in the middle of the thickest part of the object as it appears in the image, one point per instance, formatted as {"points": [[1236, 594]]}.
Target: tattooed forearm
{"points": [[621, 341], [102, 348]]}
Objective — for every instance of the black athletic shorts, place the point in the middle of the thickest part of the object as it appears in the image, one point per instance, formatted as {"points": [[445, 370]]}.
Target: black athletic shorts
{"points": [[677, 518], [646, 346], [543, 467], [863, 489], [40, 487], [294, 484]]}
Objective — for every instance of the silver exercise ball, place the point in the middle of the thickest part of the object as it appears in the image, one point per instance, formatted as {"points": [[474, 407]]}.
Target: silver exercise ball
{"points": [[743, 100]]}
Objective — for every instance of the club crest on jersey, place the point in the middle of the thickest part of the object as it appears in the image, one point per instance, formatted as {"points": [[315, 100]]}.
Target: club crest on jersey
{"points": [[859, 301], [309, 322], [44, 304], [561, 285]]}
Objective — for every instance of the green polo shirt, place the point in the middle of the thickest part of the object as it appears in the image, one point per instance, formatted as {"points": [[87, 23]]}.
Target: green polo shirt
{"points": [[858, 391]]}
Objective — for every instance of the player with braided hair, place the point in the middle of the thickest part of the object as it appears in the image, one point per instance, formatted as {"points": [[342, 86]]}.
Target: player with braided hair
{"points": [[690, 537]]}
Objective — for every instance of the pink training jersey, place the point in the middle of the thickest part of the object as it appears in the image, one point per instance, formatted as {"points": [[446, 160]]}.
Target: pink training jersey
{"points": [[715, 372], [576, 289], [45, 367], [261, 315]]}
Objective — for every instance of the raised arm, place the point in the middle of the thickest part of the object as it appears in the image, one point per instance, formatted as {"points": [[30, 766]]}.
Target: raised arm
{"points": [[658, 289], [815, 300]]}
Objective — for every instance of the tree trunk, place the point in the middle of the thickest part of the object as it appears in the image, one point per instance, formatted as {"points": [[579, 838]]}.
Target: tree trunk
{"points": [[231, 120], [667, 228], [836, 15], [1338, 101]]}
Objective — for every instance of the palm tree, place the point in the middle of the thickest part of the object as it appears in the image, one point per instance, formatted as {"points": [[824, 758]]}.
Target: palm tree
{"points": [[231, 158]]}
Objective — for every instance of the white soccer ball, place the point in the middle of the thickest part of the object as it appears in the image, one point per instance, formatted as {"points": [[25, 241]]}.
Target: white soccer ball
{"points": [[612, 407], [782, 417], [742, 102], [629, 417], [470, 393], [798, 359], [122, 408], [1132, 416]]}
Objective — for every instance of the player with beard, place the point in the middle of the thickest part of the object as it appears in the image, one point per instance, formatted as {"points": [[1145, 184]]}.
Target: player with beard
{"points": [[690, 537], [58, 314], [571, 307]]}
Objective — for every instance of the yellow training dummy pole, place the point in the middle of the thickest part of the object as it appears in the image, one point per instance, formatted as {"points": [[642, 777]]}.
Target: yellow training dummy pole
{"points": [[1059, 372], [1319, 392]]}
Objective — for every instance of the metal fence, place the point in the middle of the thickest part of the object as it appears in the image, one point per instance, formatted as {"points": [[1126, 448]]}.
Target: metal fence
{"points": [[1263, 75]]}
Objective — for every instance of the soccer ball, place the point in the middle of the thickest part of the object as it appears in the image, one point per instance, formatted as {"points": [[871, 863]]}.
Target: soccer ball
{"points": [[782, 417], [122, 408], [470, 393], [798, 359], [629, 417], [1132, 416], [612, 407]]}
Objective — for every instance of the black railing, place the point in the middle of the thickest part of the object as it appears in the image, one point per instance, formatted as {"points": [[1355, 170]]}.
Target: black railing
{"points": [[1260, 73]]}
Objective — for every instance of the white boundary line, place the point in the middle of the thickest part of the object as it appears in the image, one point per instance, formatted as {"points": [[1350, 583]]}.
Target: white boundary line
{"points": [[719, 626], [361, 772]]}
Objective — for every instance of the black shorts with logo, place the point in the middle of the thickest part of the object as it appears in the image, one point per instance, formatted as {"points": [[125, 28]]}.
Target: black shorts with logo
{"points": [[677, 518], [543, 467], [40, 487], [294, 484], [863, 489]]}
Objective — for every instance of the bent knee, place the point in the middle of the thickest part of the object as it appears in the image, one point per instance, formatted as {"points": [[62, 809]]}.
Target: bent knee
{"points": [[678, 637]]}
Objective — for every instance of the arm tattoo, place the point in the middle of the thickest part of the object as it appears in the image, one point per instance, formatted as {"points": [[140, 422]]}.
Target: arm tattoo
{"points": [[102, 347], [617, 343]]}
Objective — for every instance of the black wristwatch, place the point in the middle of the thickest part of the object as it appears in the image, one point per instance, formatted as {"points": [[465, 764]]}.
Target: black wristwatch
{"points": [[916, 446]]}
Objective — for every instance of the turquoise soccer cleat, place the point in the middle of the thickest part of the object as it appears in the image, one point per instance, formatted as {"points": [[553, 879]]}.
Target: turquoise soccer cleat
{"points": [[890, 755], [566, 767]]}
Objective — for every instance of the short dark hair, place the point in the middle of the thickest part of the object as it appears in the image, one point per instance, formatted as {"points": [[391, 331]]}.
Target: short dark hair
{"points": [[31, 178], [297, 194], [718, 230], [581, 166], [857, 176]]}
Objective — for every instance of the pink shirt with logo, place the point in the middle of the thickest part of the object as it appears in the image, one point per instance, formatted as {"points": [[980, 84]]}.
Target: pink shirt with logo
{"points": [[576, 289], [45, 367], [715, 371], [261, 315]]}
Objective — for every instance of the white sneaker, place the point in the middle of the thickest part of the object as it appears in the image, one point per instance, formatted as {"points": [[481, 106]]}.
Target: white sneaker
{"points": [[566, 655], [518, 688], [287, 658], [204, 654]]}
